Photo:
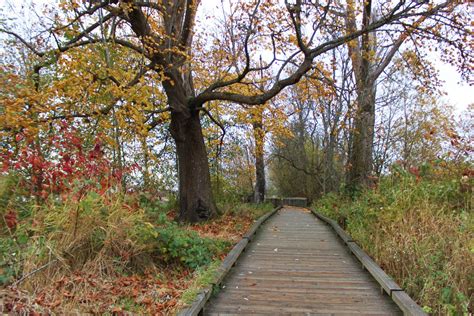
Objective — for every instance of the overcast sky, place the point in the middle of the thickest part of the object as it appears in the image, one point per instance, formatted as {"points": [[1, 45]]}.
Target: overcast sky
{"points": [[459, 94]]}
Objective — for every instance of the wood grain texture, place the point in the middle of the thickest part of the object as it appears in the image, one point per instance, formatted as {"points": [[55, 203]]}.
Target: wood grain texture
{"points": [[384, 280], [403, 300], [196, 307], [407, 305], [296, 265], [342, 234]]}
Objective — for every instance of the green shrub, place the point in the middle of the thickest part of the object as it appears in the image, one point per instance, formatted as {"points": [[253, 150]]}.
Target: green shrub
{"points": [[9, 260], [155, 207], [245, 209], [13, 240], [176, 244]]}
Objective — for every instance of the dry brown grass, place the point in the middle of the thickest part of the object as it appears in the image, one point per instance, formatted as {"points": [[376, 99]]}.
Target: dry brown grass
{"points": [[100, 255], [101, 236], [421, 231]]}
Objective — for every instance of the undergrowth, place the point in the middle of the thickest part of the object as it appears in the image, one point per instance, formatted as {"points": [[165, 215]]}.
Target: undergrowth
{"points": [[248, 210], [420, 229], [74, 240], [107, 252], [203, 278]]}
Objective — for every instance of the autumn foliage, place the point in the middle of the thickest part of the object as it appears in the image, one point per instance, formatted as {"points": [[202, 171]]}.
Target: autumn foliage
{"points": [[125, 123], [68, 160]]}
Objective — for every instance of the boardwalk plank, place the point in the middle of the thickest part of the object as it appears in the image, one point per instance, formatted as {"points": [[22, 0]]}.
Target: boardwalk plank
{"points": [[296, 265]]}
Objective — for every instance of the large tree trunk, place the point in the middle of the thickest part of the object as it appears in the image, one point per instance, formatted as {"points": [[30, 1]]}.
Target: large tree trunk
{"points": [[195, 195], [259, 194], [360, 160]]}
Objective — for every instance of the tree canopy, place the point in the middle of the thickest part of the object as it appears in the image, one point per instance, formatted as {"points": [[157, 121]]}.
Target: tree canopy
{"points": [[133, 69]]}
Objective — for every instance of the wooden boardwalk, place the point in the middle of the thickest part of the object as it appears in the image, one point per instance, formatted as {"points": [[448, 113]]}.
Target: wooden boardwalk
{"points": [[297, 265]]}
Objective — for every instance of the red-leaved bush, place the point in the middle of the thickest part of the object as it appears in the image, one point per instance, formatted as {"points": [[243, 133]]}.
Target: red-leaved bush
{"points": [[66, 163]]}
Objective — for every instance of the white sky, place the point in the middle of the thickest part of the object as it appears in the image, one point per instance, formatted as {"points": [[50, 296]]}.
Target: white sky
{"points": [[459, 93]]}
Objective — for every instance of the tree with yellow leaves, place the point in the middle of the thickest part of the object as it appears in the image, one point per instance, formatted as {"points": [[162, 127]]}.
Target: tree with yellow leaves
{"points": [[160, 35]]}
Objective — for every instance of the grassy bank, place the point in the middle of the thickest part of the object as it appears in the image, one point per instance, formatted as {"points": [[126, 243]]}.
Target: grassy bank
{"points": [[107, 253], [419, 227]]}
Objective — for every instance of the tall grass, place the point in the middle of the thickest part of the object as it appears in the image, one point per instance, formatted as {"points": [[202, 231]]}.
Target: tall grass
{"points": [[420, 229], [96, 234], [106, 235]]}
